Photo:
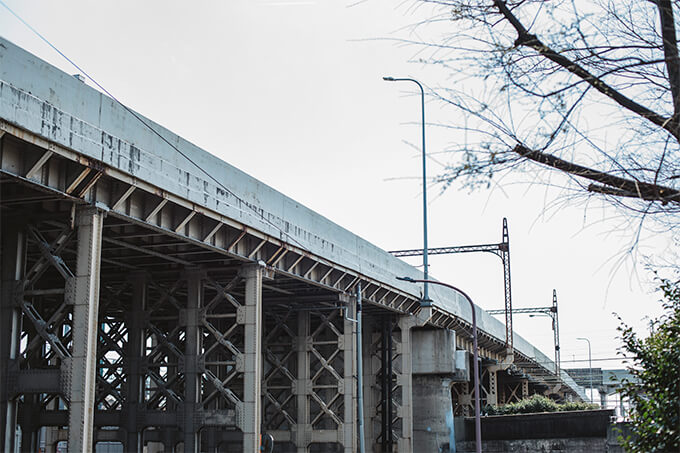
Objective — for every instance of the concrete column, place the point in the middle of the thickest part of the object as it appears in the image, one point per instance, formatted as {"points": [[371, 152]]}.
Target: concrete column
{"points": [[433, 425], [302, 434], [12, 271], [405, 379], [192, 348], [603, 399], [252, 395], [83, 294], [349, 384], [134, 351]]}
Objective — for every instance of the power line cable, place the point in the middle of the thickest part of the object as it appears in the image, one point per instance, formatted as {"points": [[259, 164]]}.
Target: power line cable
{"points": [[147, 125]]}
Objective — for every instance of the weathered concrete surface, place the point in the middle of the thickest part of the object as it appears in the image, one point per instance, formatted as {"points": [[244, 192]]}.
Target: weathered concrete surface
{"points": [[433, 429], [575, 431], [583, 445], [434, 351], [593, 423]]}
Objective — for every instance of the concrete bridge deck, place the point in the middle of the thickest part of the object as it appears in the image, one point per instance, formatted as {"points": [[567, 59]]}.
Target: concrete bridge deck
{"points": [[219, 304]]}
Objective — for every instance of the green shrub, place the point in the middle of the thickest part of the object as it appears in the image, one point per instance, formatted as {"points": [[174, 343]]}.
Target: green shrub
{"points": [[535, 404]]}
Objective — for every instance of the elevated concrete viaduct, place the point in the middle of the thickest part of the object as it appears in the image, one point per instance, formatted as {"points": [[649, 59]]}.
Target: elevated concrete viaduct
{"points": [[144, 303]]}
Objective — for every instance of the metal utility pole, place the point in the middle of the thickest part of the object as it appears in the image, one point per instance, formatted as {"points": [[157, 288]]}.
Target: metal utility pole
{"points": [[502, 250], [543, 311], [590, 366], [426, 302]]}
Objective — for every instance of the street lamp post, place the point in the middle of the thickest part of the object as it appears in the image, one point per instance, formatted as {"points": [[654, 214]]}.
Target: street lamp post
{"points": [[590, 366], [426, 302], [478, 422]]}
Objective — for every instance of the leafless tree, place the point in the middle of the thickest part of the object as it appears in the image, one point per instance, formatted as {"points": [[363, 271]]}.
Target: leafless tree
{"points": [[586, 88]]}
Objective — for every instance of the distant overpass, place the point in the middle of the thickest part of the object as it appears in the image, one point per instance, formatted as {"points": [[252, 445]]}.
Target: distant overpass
{"points": [[154, 295]]}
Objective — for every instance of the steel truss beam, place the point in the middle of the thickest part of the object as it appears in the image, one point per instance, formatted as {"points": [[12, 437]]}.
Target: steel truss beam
{"points": [[39, 165], [136, 202]]}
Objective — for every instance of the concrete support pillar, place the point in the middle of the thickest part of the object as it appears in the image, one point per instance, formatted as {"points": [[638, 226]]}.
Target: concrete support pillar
{"points": [[405, 380], [302, 429], [13, 250], [603, 399], [83, 293], [349, 385], [252, 395], [192, 349], [133, 356], [433, 425]]}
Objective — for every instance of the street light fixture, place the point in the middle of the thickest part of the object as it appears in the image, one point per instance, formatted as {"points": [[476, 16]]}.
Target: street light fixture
{"points": [[590, 365], [426, 302], [478, 422]]}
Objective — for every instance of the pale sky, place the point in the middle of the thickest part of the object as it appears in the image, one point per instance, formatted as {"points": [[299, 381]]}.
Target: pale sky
{"points": [[291, 92]]}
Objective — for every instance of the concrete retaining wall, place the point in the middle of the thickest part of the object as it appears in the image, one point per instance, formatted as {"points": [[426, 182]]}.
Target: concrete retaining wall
{"points": [[573, 432]]}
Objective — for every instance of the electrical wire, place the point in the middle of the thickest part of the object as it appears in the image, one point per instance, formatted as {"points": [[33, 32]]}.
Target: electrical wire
{"points": [[148, 126]]}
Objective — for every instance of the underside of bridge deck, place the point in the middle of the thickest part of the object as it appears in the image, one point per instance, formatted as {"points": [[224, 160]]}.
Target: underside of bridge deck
{"points": [[117, 332]]}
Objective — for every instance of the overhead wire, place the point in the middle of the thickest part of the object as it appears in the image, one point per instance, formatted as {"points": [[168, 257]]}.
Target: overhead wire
{"points": [[148, 126]]}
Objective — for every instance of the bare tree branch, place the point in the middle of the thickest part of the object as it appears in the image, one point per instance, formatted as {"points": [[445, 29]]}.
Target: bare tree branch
{"points": [[524, 38], [611, 184]]}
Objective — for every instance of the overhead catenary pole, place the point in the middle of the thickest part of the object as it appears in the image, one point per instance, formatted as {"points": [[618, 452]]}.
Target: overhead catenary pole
{"points": [[475, 370], [426, 302], [502, 250]]}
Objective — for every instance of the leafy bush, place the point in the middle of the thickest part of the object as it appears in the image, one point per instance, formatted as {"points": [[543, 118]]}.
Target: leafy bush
{"points": [[535, 404], [655, 393]]}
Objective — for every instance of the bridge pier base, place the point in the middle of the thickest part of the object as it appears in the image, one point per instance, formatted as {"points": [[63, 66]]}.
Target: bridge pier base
{"points": [[433, 427]]}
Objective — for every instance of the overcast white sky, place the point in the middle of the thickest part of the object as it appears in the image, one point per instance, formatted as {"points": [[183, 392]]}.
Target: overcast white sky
{"points": [[291, 93]]}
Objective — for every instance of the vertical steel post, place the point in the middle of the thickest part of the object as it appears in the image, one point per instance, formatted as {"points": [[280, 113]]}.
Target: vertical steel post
{"points": [[556, 334], [192, 348], [252, 395], [349, 384], [302, 383], [13, 261], [83, 291], [505, 257], [406, 323], [590, 366], [360, 373], [134, 353]]}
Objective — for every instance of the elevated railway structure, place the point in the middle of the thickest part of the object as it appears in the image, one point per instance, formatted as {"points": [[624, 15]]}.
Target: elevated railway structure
{"points": [[147, 303]]}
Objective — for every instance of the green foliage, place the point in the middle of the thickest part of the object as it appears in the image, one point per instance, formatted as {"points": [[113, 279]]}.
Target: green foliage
{"points": [[655, 396], [535, 404]]}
